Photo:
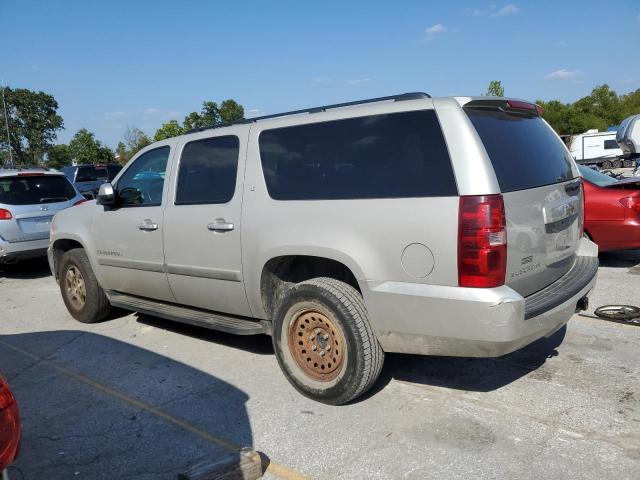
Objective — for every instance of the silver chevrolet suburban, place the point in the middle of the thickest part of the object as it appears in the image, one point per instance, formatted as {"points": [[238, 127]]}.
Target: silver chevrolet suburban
{"points": [[433, 226]]}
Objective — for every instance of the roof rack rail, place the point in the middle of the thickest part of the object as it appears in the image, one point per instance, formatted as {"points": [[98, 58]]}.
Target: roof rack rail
{"points": [[396, 98]]}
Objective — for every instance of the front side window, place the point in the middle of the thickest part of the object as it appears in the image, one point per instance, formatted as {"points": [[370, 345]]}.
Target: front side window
{"points": [[395, 155], [143, 182], [208, 170], [610, 145]]}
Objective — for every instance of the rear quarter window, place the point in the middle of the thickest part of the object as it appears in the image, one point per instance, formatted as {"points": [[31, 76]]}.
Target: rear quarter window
{"points": [[524, 150], [395, 155]]}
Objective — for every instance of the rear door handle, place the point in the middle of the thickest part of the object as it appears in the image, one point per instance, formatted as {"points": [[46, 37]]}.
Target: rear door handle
{"points": [[148, 226], [220, 226]]}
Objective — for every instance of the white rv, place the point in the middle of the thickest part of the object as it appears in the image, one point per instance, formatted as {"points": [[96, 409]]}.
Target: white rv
{"points": [[593, 147]]}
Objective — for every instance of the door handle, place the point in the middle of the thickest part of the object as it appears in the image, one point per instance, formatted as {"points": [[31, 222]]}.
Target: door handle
{"points": [[220, 225], [148, 226]]}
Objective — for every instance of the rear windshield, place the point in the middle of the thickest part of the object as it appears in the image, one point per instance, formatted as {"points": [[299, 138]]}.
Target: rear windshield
{"points": [[395, 155], [86, 174], [35, 189], [524, 151]]}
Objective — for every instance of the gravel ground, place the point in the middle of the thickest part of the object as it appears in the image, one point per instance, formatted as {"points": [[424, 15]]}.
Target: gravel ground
{"points": [[139, 397]]}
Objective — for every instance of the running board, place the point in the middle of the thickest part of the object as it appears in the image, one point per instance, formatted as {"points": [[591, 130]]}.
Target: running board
{"points": [[193, 316]]}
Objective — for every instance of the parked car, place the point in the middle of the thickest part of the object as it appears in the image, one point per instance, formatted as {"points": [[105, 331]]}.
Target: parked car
{"points": [[28, 201], [10, 428], [612, 210], [88, 178], [383, 225]]}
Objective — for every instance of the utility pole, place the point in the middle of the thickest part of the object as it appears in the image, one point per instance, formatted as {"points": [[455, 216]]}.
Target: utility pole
{"points": [[6, 123]]}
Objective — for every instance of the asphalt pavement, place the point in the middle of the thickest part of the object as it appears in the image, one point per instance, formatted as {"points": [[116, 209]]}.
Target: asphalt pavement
{"points": [[142, 398]]}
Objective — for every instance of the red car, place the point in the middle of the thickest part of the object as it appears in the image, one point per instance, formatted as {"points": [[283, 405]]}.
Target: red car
{"points": [[612, 210], [9, 426]]}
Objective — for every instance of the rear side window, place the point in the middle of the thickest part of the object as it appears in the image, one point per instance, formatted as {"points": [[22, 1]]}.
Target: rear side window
{"points": [[395, 155], [524, 151], [31, 190], [208, 170]]}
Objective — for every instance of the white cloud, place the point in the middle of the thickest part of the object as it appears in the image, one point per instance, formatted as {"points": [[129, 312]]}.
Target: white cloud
{"points": [[358, 81], [476, 12], [508, 9], [563, 74], [35, 68], [434, 30], [109, 115], [254, 112]]}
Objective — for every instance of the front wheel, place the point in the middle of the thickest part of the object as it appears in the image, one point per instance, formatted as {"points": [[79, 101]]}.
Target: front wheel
{"points": [[80, 290], [324, 343]]}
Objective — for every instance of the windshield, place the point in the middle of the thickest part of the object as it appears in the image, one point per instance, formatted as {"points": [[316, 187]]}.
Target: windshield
{"points": [[596, 177], [30, 190], [524, 150]]}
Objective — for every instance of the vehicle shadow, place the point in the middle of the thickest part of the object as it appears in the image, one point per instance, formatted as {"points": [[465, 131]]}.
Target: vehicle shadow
{"points": [[102, 408], [258, 344], [470, 374], [26, 269], [620, 259]]}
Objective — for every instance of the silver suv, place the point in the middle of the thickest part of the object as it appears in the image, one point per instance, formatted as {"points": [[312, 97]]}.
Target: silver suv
{"points": [[28, 201], [448, 226]]}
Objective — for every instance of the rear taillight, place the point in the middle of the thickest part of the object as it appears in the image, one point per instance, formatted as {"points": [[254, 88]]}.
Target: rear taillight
{"points": [[632, 203], [9, 426], [519, 105], [5, 214], [482, 241], [80, 202]]}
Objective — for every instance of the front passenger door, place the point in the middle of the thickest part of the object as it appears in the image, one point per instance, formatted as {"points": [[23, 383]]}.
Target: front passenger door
{"points": [[128, 236]]}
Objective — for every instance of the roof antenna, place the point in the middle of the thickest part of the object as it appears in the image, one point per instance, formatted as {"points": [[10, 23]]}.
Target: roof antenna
{"points": [[6, 123]]}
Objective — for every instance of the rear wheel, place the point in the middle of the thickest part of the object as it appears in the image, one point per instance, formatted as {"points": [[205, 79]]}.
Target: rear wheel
{"points": [[629, 163], [324, 343], [82, 295], [607, 164], [617, 164]]}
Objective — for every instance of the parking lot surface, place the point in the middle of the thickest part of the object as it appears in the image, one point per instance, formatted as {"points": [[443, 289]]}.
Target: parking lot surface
{"points": [[139, 397]]}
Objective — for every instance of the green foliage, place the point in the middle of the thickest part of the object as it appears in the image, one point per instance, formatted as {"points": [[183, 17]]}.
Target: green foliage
{"points": [[170, 129], [600, 109], [33, 122], [134, 140], [59, 156], [211, 115], [495, 89], [231, 111], [84, 148]]}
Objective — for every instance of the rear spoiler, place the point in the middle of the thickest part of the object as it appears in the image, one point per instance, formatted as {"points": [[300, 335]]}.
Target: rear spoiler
{"points": [[517, 107]]}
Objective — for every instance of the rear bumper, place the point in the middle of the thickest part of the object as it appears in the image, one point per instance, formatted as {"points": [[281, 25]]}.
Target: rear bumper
{"points": [[12, 252], [468, 322]]}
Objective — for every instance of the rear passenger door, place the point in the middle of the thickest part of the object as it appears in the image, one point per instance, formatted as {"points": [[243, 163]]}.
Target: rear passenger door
{"points": [[202, 234]]}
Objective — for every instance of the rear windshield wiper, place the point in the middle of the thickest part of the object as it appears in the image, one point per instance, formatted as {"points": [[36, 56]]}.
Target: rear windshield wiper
{"points": [[53, 199]]}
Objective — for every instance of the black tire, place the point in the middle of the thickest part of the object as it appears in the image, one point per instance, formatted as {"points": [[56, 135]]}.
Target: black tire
{"points": [[607, 164], [96, 306], [617, 164], [629, 163], [338, 305]]}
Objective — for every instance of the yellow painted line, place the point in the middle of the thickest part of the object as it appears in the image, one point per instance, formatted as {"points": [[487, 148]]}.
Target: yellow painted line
{"points": [[274, 468]]}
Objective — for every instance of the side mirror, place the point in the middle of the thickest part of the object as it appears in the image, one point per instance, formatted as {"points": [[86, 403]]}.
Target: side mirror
{"points": [[106, 195]]}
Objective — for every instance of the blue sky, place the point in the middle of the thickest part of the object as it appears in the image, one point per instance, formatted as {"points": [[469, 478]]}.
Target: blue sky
{"points": [[140, 63]]}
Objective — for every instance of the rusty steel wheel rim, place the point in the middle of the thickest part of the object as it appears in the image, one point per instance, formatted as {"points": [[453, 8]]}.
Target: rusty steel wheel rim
{"points": [[76, 288], [317, 345]]}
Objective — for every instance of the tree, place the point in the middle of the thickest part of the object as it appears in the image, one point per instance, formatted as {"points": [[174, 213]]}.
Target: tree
{"points": [[170, 129], [133, 141], [495, 89], [231, 111], [84, 148], [59, 156], [33, 122], [191, 121]]}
